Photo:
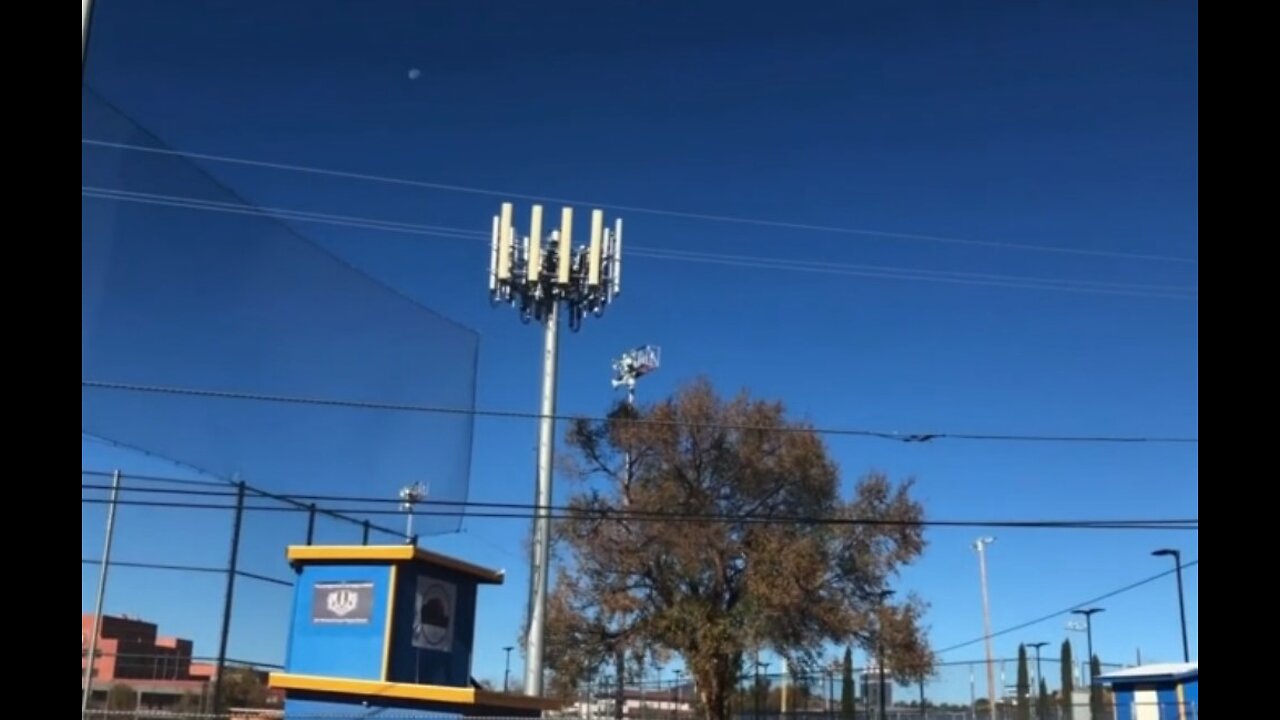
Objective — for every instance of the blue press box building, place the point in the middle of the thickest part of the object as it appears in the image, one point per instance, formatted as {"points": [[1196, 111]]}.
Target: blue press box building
{"points": [[1164, 691], [387, 628]]}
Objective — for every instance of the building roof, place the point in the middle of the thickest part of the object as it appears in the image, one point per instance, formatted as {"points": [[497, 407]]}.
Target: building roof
{"points": [[1154, 671], [390, 553]]}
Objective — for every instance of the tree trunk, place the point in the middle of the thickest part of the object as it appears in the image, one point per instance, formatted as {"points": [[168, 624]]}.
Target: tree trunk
{"points": [[715, 685]]}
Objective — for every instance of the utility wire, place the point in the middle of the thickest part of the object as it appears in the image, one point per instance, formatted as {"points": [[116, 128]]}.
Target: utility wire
{"points": [[189, 568], [1094, 287], [580, 510], [632, 208], [1067, 611], [620, 515], [918, 437]]}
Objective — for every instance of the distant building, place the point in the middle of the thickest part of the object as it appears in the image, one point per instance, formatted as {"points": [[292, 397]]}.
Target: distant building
{"points": [[131, 649], [159, 669], [870, 683], [664, 703]]}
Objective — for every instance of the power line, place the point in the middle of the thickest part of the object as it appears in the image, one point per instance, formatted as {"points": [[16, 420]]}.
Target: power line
{"points": [[299, 499], [189, 568], [919, 437], [529, 512], [636, 209], [1067, 611], [1094, 287]]}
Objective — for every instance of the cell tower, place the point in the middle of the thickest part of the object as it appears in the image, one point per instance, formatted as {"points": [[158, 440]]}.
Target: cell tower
{"points": [[541, 276]]}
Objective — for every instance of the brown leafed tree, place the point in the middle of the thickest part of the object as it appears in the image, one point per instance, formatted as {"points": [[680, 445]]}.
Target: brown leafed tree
{"points": [[711, 528]]}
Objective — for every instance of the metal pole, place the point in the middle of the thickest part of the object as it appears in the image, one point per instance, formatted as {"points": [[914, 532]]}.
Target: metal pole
{"points": [[102, 591], [973, 695], [86, 12], [540, 574], [364, 534], [311, 523], [1182, 609], [1039, 684], [880, 670], [408, 523], [1088, 633], [831, 694], [986, 624], [232, 570], [757, 689], [506, 673], [923, 713]]}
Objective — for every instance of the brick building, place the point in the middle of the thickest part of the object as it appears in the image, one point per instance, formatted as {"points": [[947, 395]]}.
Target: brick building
{"points": [[132, 649]]}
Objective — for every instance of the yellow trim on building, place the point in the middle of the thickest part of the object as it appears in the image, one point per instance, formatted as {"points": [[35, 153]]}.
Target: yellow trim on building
{"points": [[409, 691], [386, 635], [390, 553]]}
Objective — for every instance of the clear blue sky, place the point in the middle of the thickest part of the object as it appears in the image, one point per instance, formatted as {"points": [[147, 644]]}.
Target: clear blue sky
{"points": [[1070, 125]]}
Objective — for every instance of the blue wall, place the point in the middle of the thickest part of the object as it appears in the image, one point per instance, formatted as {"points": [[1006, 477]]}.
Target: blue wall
{"points": [[1166, 697], [414, 665], [338, 650]]}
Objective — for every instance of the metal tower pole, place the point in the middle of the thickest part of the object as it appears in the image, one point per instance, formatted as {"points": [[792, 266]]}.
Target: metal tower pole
{"points": [[86, 11], [96, 627], [537, 274], [541, 574], [981, 546]]}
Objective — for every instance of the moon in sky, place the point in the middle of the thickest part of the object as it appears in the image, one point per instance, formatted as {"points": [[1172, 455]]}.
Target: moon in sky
{"points": [[414, 73]]}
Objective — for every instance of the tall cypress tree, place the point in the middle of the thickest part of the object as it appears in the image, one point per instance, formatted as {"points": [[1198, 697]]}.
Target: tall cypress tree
{"points": [[846, 686], [1096, 705], [1068, 680], [1024, 685]]}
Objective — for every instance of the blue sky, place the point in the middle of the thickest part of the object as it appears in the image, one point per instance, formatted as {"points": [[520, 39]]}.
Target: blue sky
{"points": [[1071, 125]]}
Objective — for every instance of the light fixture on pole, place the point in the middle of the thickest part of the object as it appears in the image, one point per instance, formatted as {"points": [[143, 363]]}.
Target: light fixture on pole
{"points": [[1088, 614], [633, 365], [542, 275], [411, 495], [1182, 605], [981, 546]]}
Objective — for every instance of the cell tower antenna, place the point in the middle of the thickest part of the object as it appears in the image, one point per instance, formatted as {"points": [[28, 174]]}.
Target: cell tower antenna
{"points": [[542, 275], [633, 365]]}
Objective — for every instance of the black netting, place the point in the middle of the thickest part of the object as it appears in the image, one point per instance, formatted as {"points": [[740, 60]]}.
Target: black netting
{"points": [[243, 303]]}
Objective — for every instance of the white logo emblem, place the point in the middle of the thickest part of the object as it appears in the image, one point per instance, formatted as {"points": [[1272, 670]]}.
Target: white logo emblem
{"points": [[342, 602]]}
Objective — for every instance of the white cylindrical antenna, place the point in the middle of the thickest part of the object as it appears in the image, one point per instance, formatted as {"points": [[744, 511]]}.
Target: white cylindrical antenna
{"points": [[617, 256], [535, 244], [566, 246], [597, 245], [504, 243], [493, 256]]}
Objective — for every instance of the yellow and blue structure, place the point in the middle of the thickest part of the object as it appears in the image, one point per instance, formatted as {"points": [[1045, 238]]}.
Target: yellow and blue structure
{"points": [[1164, 691], [387, 627]]}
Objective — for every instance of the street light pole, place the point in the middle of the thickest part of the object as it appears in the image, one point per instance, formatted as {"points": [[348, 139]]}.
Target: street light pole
{"points": [[1088, 614], [1182, 605], [981, 546], [1039, 701], [542, 277], [506, 674], [411, 495]]}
